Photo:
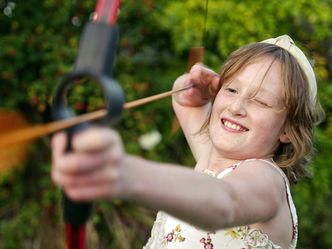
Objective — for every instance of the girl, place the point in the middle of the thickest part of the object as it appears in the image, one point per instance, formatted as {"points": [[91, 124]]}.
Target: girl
{"points": [[250, 130]]}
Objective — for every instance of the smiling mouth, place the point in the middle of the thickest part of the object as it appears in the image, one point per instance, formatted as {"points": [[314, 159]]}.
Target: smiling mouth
{"points": [[233, 126]]}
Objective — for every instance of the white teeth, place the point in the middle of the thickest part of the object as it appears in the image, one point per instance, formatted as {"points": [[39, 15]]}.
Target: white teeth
{"points": [[232, 126]]}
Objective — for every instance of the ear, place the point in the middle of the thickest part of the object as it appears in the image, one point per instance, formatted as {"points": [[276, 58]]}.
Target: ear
{"points": [[284, 138]]}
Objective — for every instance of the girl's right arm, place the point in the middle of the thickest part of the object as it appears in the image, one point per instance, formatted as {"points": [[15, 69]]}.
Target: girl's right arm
{"points": [[192, 106]]}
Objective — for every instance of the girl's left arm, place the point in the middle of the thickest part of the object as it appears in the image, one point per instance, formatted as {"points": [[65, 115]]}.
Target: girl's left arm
{"points": [[244, 197], [100, 169]]}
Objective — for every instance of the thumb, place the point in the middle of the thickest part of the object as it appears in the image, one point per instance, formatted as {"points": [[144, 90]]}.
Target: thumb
{"points": [[95, 139]]}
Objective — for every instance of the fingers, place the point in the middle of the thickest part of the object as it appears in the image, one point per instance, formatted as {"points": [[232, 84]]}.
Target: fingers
{"points": [[205, 83], [77, 186], [204, 77], [95, 139], [92, 168], [91, 148], [79, 162], [91, 192]]}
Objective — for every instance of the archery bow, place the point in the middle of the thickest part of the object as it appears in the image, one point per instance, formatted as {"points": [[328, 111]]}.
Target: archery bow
{"points": [[94, 60], [101, 70]]}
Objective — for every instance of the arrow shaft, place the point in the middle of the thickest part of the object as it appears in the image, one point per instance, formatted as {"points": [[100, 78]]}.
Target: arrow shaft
{"points": [[36, 131]]}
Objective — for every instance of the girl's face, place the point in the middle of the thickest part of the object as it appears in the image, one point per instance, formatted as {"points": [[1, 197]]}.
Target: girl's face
{"points": [[248, 115]]}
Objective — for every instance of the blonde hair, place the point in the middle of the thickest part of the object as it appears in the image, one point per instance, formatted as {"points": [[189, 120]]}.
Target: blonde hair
{"points": [[302, 115]]}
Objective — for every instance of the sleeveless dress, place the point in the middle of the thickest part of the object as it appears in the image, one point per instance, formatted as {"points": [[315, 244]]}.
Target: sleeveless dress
{"points": [[169, 232]]}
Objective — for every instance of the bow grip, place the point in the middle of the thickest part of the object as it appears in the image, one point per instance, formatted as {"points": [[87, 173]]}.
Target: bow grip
{"points": [[77, 213]]}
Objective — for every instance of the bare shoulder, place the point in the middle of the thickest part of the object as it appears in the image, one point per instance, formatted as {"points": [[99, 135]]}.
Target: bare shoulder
{"points": [[259, 177], [264, 170], [256, 192], [261, 186]]}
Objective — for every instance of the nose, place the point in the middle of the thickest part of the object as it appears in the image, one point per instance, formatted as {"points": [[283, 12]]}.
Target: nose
{"points": [[238, 107]]}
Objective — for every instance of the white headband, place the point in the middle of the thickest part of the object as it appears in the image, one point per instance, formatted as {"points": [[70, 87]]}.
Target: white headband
{"points": [[288, 44]]}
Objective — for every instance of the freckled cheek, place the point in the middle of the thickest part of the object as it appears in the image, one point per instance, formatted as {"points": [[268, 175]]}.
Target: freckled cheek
{"points": [[268, 126], [264, 123], [214, 121], [215, 117], [222, 99], [220, 104]]}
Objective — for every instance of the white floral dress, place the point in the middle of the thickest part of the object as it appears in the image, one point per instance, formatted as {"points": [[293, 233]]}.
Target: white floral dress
{"points": [[169, 232]]}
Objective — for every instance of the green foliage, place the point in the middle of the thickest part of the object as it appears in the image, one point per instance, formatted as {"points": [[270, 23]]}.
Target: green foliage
{"points": [[314, 196], [231, 24], [39, 42]]}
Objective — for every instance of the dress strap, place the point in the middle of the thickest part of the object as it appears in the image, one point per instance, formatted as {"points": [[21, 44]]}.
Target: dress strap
{"points": [[227, 171]]}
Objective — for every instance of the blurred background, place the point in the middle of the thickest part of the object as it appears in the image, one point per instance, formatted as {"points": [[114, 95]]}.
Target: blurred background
{"points": [[38, 45]]}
